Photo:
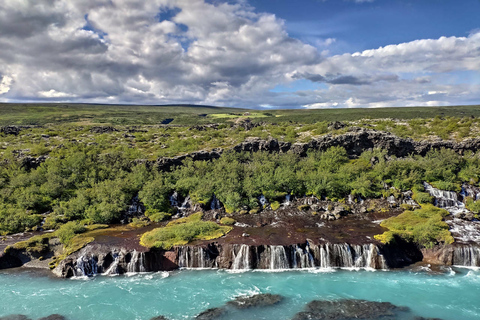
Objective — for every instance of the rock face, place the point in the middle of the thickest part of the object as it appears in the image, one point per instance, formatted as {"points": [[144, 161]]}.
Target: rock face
{"points": [[354, 142], [454, 255], [96, 259]]}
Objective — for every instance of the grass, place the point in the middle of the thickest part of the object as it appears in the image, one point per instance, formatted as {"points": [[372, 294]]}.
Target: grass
{"points": [[183, 231], [424, 226]]}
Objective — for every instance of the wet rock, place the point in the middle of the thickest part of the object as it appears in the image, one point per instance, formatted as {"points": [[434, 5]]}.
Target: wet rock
{"points": [[210, 314], [54, 317], [349, 309], [258, 300], [103, 129], [159, 318], [15, 317]]}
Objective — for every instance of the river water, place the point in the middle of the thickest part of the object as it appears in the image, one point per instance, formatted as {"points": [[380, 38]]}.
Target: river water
{"points": [[452, 294]]}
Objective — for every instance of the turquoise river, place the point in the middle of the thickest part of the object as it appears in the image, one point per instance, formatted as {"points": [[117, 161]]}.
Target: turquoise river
{"points": [[453, 294]]}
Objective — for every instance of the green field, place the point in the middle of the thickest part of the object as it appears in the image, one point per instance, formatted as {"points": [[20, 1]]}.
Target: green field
{"points": [[45, 113]]}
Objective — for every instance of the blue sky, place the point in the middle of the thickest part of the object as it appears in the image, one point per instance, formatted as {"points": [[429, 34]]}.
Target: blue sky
{"points": [[367, 25], [242, 53]]}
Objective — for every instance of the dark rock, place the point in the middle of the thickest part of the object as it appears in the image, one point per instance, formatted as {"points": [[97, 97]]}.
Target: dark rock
{"points": [[336, 125], [10, 130], [422, 318], [166, 121], [212, 313], [15, 317], [54, 317], [159, 318], [258, 300], [32, 163], [103, 129], [346, 309]]}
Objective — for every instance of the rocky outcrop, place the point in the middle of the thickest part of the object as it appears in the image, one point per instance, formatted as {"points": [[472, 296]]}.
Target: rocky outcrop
{"points": [[466, 255], [355, 142], [103, 129]]}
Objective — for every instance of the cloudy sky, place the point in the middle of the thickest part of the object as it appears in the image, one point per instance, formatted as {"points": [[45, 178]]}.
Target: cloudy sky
{"points": [[242, 53]]}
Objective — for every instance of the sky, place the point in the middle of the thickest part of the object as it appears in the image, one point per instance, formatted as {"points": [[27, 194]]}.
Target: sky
{"points": [[242, 53]]}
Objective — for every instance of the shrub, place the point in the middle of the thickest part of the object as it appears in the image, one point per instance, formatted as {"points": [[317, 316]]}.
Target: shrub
{"points": [[67, 231], [227, 221], [472, 205], [422, 197], [157, 216], [138, 223]]}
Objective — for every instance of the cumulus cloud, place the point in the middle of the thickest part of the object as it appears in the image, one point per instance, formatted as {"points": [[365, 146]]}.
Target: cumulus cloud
{"points": [[210, 52]]}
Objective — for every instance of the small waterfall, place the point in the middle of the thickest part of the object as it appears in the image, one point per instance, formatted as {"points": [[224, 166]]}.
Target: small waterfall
{"points": [[466, 256], [242, 258], [288, 198], [86, 266], [447, 200], [278, 258], [113, 268], [470, 191], [302, 258], [135, 207], [263, 200], [174, 199], [194, 257], [345, 255], [137, 262], [392, 200], [215, 204]]}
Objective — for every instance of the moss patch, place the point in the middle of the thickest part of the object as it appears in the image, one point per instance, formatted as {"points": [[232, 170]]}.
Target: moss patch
{"points": [[424, 226], [182, 231]]}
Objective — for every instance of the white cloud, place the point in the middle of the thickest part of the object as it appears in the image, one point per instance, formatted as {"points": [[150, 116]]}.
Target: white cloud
{"points": [[224, 53]]}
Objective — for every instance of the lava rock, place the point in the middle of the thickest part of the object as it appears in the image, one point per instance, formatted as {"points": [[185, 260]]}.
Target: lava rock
{"points": [[210, 314], [15, 317], [103, 129], [159, 318], [54, 317], [346, 309], [258, 300], [10, 130]]}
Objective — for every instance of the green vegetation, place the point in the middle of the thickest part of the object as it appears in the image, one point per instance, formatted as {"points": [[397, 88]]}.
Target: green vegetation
{"points": [[182, 231], [424, 226], [227, 221]]}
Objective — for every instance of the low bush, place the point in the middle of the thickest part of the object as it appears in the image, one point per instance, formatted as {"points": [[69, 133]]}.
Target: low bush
{"points": [[138, 223], [275, 205], [157, 216], [67, 231]]}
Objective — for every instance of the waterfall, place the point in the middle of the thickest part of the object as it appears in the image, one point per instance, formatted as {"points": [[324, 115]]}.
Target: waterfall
{"points": [[466, 256], [302, 258], [137, 262], [470, 191], [241, 259], [194, 257], [278, 258], [113, 268], [288, 198], [215, 204], [447, 200], [86, 266], [345, 255], [263, 200], [174, 199]]}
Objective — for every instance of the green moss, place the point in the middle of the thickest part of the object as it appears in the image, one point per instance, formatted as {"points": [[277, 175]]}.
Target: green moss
{"points": [[138, 223], [182, 233], [424, 226], [35, 244], [422, 197], [67, 231], [472, 205], [254, 211], [275, 205], [227, 221]]}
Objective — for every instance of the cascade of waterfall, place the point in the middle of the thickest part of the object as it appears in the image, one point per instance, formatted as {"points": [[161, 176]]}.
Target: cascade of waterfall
{"points": [[86, 266], [137, 262], [288, 198], [113, 268], [470, 191], [302, 258], [194, 257], [447, 200], [263, 200], [467, 256], [174, 199], [241, 258], [278, 258], [215, 204]]}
